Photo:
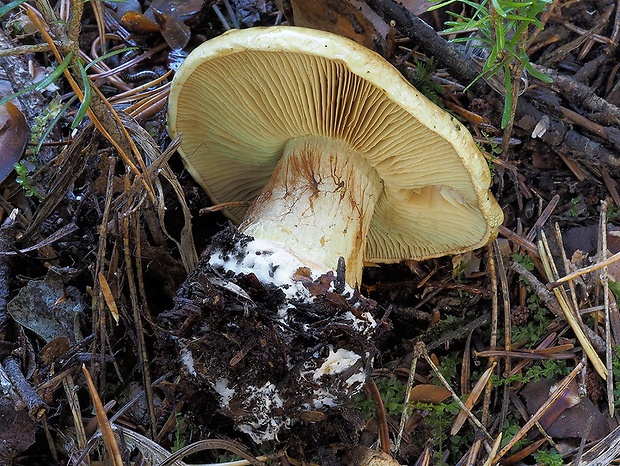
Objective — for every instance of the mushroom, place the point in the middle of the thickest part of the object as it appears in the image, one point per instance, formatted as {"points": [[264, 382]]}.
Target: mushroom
{"points": [[340, 160], [335, 152]]}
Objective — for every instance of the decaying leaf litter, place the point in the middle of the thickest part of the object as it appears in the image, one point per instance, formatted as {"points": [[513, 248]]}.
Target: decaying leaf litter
{"points": [[102, 227]]}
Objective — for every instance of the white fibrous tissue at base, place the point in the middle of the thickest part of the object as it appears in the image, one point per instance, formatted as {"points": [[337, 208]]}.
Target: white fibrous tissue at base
{"points": [[269, 262]]}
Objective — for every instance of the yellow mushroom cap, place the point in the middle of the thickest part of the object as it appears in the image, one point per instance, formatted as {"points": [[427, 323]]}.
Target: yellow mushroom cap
{"points": [[239, 98]]}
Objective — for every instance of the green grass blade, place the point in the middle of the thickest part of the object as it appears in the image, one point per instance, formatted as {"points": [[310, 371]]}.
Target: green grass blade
{"points": [[500, 36], [8, 7], [498, 8], [537, 74], [79, 116], [441, 5], [508, 98]]}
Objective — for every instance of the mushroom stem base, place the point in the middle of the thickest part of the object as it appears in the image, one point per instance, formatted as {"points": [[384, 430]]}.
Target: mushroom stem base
{"points": [[318, 205]]}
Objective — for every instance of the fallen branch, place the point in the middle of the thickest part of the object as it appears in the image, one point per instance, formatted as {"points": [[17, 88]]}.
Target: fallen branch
{"points": [[580, 94], [33, 402], [430, 42]]}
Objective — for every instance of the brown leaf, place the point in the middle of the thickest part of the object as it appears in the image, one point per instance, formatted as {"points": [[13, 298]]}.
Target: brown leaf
{"points": [[348, 18], [138, 23], [472, 399], [417, 7], [363, 456], [569, 416], [17, 431], [166, 16], [427, 393], [180, 9], [14, 134], [55, 349], [174, 31]]}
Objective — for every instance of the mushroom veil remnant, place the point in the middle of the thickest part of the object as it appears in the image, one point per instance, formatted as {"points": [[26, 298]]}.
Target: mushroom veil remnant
{"points": [[335, 152]]}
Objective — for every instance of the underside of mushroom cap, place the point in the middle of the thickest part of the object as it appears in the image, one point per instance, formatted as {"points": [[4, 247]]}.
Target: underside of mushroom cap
{"points": [[239, 98]]}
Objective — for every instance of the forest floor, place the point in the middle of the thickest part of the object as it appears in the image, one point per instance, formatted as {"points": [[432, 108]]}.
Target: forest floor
{"points": [[102, 226]]}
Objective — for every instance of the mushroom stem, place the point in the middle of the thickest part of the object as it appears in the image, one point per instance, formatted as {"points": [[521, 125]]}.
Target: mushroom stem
{"points": [[318, 205]]}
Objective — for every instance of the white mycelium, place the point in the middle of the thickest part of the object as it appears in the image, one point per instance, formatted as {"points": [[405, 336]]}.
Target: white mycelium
{"points": [[226, 393], [337, 362], [269, 262], [261, 401], [326, 378], [187, 359]]}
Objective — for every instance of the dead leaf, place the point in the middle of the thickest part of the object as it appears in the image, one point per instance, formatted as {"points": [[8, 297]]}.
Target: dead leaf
{"points": [[109, 297], [466, 264], [182, 10], [348, 18], [472, 399], [130, 13], [54, 349], [138, 23], [14, 134], [417, 7], [167, 17], [174, 31], [17, 431], [118, 9], [583, 240], [312, 416], [427, 393], [35, 308], [569, 416], [363, 456]]}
